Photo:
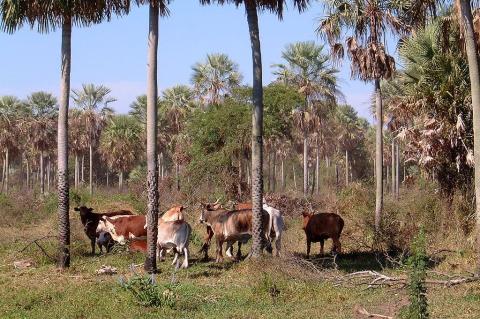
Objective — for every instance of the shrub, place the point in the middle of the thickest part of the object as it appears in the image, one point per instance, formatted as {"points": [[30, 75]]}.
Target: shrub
{"points": [[148, 293], [417, 274]]}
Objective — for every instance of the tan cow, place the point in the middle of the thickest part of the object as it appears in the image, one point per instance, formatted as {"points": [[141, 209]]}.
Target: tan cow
{"points": [[231, 226], [174, 235], [173, 214]]}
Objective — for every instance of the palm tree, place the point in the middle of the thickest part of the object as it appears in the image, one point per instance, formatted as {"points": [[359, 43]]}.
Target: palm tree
{"points": [[368, 22], [40, 124], [49, 15], [309, 70], [177, 102], [11, 110], [156, 8], [466, 22], [215, 78], [78, 140], [120, 144], [93, 101], [251, 8]]}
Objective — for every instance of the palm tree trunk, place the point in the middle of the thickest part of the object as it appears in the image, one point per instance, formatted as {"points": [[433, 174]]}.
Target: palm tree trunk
{"points": [[107, 178], [48, 174], [257, 130], [393, 189], [120, 180], [62, 162], [83, 170], [397, 172], [305, 163], [28, 174], [274, 172], [77, 173], [152, 169], [294, 176], [387, 179], [317, 171], [346, 167], [177, 176], [240, 173], [472, 56], [42, 174], [90, 177], [7, 169], [379, 156], [283, 174], [337, 177]]}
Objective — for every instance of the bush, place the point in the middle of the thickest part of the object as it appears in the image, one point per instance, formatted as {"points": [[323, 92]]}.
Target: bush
{"points": [[417, 275], [148, 293]]}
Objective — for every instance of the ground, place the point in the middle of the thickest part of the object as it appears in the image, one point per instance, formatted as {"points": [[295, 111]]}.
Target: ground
{"points": [[266, 288]]}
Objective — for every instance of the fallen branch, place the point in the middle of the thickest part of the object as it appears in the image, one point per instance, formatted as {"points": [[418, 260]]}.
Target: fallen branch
{"points": [[362, 311], [373, 279], [35, 241]]}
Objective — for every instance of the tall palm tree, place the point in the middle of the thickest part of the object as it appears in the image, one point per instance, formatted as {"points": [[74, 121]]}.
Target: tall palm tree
{"points": [[251, 8], [466, 21], [93, 101], [215, 78], [308, 69], [40, 124], [49, 15], [367, 21], [78, 140], [120, 144], [156, 8]]}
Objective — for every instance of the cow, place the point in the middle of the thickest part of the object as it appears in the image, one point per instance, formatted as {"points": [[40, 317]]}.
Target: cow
{"points": [[173, 214], [174, 235], [125, 228], [104, 239], [319, 227], [276, 226], [90, 222], [274, 232], [231, 226]]}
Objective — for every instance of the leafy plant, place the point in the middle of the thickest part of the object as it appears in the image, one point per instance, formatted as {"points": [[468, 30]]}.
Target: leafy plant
{"points": [[148, 293], [418, 308]]}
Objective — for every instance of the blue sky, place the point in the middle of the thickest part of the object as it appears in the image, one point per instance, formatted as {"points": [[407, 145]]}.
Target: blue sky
{"points": [[114, 53]]}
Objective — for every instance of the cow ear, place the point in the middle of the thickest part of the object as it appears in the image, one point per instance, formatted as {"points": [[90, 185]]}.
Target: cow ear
{"points": [[77, 209], [90, 209], [181, 208]]}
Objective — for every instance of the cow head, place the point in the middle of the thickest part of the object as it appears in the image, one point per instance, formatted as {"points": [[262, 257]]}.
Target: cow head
{"points": [[306, 218], [83, 210]]}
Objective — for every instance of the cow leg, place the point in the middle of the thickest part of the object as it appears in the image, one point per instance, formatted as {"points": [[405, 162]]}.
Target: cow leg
{"points": [[278, 244], [175, 258], [206, 244], [309, 243], [100, 247], [322, 243], [161, 253], [239, 251], [337, 247], [92, 243], [185, 260], [219, 258], [229, 249]]}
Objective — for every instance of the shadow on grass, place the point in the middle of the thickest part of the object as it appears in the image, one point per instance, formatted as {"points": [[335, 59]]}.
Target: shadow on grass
{"points": [[364, 260]]}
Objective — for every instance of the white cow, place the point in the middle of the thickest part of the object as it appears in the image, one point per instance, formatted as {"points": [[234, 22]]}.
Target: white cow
{"points": [[174, 235], [276, 225]]}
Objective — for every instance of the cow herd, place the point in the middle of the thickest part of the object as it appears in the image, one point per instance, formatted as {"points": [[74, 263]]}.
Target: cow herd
{"points": [[225, 226]]}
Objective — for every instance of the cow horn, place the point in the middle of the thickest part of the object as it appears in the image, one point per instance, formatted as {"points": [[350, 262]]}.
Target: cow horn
{"points": [[218, 200]]}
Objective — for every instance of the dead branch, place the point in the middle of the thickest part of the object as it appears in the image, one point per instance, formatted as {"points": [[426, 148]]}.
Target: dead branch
{"points": [[373, 279], [35, 241], [362, 311]]}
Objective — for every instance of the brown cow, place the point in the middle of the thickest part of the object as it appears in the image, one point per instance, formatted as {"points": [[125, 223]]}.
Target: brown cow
{"points": [[319, 227], [231, 226], [90, 222], [125, 227]]}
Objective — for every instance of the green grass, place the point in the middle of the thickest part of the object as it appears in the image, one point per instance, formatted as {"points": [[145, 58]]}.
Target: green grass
{"points": [[268, 288]]}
